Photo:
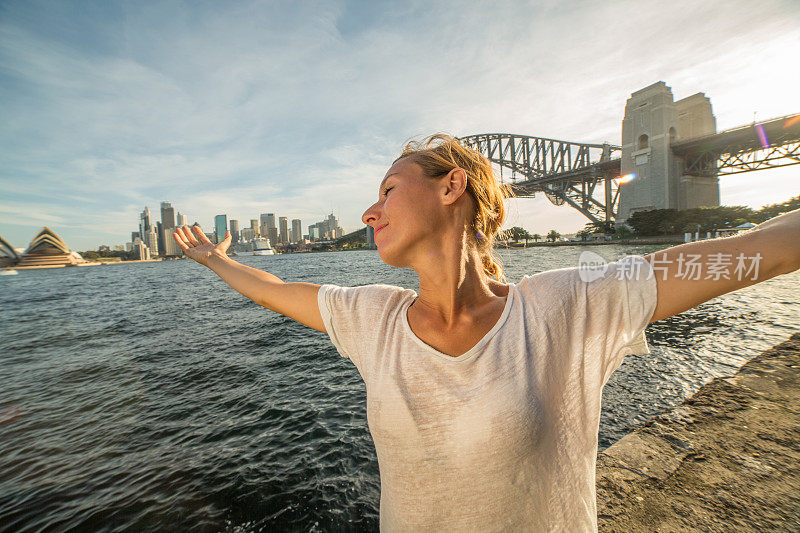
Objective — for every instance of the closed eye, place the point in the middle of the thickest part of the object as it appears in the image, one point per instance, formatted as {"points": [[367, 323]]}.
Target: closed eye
{"points": [[386, 190]]}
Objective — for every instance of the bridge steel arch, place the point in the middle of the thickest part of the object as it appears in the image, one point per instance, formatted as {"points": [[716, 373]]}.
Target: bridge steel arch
{"points": [[566, 172]]}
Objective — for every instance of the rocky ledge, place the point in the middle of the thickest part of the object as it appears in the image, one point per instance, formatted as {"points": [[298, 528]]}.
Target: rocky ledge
{"points": [[728, 459]]}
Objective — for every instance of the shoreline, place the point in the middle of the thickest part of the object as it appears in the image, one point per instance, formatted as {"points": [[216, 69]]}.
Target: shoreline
{"points": [[728, 458]]}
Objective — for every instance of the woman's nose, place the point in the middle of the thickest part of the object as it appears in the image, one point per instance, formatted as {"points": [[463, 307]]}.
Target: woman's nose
{"points": [[370, 214]]}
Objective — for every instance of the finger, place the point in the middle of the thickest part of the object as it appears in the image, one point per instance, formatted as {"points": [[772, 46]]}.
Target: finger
{"points": [[201, 236], [188, 237], [181, 244]]}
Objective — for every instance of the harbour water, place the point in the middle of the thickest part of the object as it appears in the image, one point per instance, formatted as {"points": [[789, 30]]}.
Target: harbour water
{"points": [[152, 396]]}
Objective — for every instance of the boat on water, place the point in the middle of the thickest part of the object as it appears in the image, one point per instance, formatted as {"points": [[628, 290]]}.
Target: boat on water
{"points": [[9, 272], [261, 246]]}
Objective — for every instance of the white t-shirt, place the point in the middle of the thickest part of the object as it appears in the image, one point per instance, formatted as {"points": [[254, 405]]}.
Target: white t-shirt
{"points": [[503, 437]]}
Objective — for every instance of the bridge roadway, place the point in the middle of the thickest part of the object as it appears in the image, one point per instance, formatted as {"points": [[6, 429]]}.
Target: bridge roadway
{"points": [[569, 172]]}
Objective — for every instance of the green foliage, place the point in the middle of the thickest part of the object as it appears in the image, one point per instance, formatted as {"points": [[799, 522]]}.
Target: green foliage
{"points": [[673, 221], [599, 227], [516, 233], [553, 235]]}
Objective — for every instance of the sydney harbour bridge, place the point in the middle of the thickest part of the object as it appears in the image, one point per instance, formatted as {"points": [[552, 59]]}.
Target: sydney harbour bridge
{"points": [[671, 156]]}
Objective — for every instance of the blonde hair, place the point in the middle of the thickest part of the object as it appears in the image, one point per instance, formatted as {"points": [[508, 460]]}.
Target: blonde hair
{"points": [[441, 153]]}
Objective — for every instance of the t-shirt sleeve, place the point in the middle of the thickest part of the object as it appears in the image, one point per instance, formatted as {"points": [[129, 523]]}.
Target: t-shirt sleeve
{"points": [[357, 319], [619, 301], [595, 315]]}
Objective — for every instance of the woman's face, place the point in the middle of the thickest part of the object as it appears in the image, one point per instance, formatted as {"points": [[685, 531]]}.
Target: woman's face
{"points": [[406, 215]]}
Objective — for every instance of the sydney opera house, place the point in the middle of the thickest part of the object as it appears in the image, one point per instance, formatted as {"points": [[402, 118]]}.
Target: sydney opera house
{"points": [[46, 250]]}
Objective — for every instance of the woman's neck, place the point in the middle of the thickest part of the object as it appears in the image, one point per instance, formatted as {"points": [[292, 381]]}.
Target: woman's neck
{"points": [[452, 282]]}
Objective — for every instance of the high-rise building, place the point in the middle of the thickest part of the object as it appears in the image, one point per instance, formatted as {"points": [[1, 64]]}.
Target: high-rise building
{"points": [[254, 226], [327, 229], [370, 237], [183, 220], [248, 234], [140, 250], [272, 235], [220, 227], [151, 241], [297, 230], [144, 222], [160, 232], [135, 235], [283, 225], [234, 231], [262, 229], [167, 215]]}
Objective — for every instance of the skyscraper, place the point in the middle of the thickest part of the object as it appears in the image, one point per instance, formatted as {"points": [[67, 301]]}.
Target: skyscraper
{"points": [[220, 226], [283, 223], [263, 227], [167, 216], [254, 226], [183, 220], [160, 235], [297, 230], [151, 241], [272, 235], [234, 224], [144, 222]]}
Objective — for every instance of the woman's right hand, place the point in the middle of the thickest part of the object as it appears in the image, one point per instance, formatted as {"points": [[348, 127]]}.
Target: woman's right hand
{"points": [[198, 247]]}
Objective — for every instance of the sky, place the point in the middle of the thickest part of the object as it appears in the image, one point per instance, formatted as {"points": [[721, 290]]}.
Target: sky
{"points": [[299, 108]]}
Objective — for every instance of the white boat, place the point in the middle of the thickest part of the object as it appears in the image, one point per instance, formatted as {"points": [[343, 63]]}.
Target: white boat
{"points": [[261, 246], [9, 272]]}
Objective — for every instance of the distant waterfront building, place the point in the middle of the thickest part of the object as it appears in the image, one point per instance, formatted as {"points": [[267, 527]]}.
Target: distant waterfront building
{"points": [[297, 230], [167, 215], [254, 226], [183, 220], [248, 234], [151, 241], [129, 246], [8, 255], [220, 227], [234, 225], [283, 224], [327, 229], [48, 250], [140, 251], [145, 224], [370, 237], [135, 235], [161, 237]]}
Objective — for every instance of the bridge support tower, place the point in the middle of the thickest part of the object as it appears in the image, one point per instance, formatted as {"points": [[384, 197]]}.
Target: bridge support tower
{"points": [[653, 120]]}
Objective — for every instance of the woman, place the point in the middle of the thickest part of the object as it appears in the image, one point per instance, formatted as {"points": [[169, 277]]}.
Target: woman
{"points": [[483, 397]]}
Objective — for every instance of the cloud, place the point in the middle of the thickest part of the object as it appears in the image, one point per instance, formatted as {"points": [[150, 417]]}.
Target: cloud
{"points": [[298, 109]]}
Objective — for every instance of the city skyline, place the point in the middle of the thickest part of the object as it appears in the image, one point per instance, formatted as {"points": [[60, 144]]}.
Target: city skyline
{"points": [[238, 129], [154, 237]]}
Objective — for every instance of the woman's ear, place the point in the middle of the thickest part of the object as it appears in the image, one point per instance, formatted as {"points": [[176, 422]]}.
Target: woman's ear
{"points": [[455, 183]]}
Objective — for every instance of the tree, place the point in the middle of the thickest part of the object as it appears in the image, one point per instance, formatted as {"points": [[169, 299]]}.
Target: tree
{"points": [[553, 236], [516, 233], [583, 234], [600, 227]]}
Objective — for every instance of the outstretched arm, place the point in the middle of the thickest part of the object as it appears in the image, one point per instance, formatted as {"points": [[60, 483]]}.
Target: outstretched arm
{"points": [[692, 273], [296, 300]]}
